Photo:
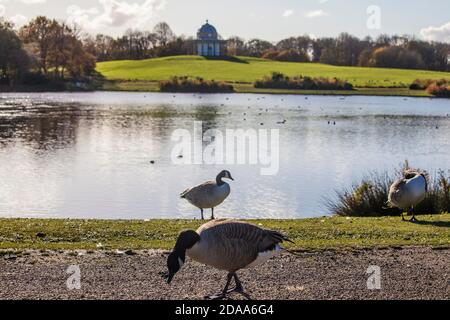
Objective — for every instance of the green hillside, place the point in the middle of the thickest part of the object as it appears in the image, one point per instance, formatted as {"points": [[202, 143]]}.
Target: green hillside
{"points": [[247, 70]]}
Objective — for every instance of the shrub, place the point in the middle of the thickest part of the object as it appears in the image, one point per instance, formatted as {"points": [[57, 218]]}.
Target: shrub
{"points": [[291, 56], [368, 199], [280, 81], [187, 84], [396, 57], [422, 84], [442, 91], [438, 88], [286, 56], [271, 54]]}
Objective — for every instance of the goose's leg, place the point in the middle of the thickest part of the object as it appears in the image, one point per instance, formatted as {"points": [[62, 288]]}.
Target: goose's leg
{"points": [[203, 218], [224, 292], [239, 287], [413, 219], [212, 214]]}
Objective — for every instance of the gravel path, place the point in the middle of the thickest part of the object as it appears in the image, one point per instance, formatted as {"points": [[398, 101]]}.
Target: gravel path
{"points": [[406, 273]]}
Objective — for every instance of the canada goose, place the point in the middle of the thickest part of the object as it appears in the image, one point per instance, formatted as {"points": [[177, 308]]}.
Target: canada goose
{"points": [[227, 245], [409, 191], [209, 194]]}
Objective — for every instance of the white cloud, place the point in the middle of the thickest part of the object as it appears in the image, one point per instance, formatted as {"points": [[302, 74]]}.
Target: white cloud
{"points": [[316, 13], [2, 10], [114, 13], [441, 33], [18, 20], [288, 13], [323, 1]]}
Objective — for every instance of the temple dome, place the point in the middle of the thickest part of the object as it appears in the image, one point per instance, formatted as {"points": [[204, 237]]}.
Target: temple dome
{"points": [[208, 28], [209, 43], [207, 32]]}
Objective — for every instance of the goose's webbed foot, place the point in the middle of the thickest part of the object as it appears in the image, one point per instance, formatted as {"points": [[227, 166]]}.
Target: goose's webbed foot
{"points": [[219, 296], [238, 289], [227, 291]]}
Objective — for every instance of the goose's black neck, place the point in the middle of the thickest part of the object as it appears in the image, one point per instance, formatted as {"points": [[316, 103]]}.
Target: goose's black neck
{"points": [[186, 240], [219, 180], [426, 181]]}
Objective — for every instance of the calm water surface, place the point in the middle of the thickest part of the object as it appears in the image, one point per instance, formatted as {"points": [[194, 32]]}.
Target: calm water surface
{"points": [[88, 155]]}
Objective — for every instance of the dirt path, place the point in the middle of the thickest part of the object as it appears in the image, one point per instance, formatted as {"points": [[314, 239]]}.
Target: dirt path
{"points": [[408, 273]]}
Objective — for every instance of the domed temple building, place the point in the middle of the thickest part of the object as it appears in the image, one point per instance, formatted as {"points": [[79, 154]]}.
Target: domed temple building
{"points": [[209, 43]]}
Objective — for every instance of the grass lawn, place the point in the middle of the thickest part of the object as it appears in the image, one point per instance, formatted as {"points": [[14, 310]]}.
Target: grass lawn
{"points": [[242, 74], [308, 234]]}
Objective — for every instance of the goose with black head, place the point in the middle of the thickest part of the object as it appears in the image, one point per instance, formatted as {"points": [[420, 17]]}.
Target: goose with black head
{"points": [[227, 245], [209, 194]]}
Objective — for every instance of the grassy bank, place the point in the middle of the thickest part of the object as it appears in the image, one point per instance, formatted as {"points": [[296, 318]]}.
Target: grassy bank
{"points": [[152, 86], [335, 232], [143, 75]]}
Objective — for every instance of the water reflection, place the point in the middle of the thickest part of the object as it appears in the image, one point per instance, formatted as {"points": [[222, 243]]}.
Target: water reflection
{"points": [[89, 155]]}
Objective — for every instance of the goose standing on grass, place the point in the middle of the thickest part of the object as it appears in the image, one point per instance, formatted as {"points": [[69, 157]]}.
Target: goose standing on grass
{"points": [[227, 245], [408, 192], [209, 194]]}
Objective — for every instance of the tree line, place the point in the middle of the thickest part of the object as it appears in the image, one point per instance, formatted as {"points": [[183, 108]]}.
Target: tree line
{"points": [[386, 51], [49, 49]]}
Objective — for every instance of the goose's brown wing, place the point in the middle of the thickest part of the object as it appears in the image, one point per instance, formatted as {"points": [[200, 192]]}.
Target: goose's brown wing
{"points": [[255, 238], [199, 191], [232, 245]]}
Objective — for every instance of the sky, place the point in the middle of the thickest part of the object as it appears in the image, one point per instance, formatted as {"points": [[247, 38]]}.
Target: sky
{"points": [[265, 19]]}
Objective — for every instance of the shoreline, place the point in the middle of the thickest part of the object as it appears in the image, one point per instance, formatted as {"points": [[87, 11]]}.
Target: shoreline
{"points": [[247, 88], [240, 88]]}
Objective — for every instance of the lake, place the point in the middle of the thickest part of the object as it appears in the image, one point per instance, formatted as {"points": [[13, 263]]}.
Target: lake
{"points": [[88, 155]]}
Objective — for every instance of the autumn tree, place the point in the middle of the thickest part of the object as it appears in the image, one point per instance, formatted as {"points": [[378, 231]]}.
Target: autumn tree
{"points": [[257, 47], [13, 58], [300, 44], [236, 46], [164, 33], [58, 48], [396, 57], [40, 32]]}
